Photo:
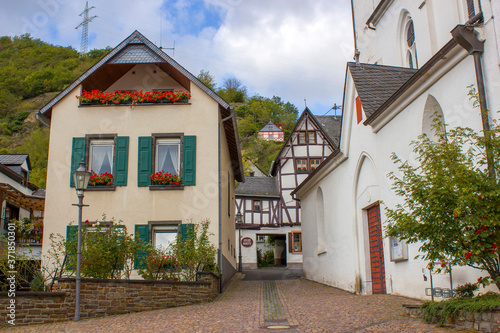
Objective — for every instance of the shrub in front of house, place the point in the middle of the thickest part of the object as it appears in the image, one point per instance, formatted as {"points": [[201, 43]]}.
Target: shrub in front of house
{"points": [[108, 250], [183, 259]]}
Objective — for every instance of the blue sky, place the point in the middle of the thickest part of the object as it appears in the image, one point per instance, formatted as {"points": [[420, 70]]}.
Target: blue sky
{"points": [[293, 49]]}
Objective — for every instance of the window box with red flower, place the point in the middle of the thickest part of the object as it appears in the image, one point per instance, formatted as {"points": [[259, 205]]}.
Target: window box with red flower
{"points": [[102, 182], [125, 97], [165, 181]]}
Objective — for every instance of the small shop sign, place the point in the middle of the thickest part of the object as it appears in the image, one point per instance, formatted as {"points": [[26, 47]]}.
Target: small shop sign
{"points": [[247, 242]]}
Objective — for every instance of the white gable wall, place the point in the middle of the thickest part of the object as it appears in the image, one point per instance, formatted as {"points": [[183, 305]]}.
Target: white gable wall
{"points": [[361, 181]]}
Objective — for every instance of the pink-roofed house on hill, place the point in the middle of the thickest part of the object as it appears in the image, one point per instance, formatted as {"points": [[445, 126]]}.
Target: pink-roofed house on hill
{"points": [[271, 132]]}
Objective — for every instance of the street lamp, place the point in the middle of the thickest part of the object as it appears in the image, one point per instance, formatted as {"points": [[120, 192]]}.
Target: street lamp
{"points": [[81, 176], [239, 219]]}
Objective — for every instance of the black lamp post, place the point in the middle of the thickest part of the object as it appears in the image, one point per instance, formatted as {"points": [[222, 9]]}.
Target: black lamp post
{"points": [[239, 219], [81, 176]]}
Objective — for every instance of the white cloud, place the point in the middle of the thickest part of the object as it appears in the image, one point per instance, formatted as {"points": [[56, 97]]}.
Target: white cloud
{"points": [[289, 48]]}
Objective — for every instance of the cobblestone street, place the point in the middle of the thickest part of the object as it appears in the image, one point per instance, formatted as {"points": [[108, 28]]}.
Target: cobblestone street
{"points": [[264, 306]]}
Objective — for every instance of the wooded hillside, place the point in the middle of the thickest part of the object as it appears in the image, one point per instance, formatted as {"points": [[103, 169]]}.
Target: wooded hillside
{"points": [[31, 73]]}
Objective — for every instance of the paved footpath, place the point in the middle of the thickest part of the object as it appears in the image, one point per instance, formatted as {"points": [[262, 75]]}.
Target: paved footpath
{"points": [[263, 306]]}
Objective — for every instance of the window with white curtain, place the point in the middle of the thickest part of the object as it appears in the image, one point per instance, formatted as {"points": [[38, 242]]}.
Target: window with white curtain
{"points": [[101, 156], [168, 155]]}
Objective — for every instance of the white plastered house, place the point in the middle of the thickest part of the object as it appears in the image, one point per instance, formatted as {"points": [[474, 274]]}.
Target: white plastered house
{"points": [[195, 138]]}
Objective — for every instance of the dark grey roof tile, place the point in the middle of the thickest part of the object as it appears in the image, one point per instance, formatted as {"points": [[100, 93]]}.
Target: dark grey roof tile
{"points": [[376, 83], [258, 186], [331, 125], [13, 159], [136, 54]]}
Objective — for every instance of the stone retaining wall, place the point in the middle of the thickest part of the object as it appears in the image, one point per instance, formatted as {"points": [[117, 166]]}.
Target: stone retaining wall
{"points": [[101, 297], [488, 321]]}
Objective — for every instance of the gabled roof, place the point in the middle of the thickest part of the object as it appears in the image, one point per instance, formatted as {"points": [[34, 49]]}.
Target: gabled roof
{"points": [[270, 127], [135, 49], [317, 123], [376, 83], [15, 159], [258, 187]]}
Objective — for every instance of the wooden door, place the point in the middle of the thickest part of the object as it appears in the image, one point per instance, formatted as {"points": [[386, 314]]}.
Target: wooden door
{"points": [[376, 250]]}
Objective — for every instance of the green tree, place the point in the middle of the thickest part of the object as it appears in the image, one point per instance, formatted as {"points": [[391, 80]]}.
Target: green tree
{"points": [[254, 114], [207, 79], [450, 204], [233, 91]]}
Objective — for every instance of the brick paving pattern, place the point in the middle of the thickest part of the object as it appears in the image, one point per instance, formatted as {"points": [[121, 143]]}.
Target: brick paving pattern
{"points": [[249, 306]]}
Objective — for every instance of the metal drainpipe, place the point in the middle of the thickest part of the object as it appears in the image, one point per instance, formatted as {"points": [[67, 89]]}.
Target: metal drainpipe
{"points": [[356, 51], [220, 196], [466, 36]]}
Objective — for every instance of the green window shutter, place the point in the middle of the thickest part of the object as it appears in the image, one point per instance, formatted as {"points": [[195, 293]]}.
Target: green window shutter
{"points": [[185, 231], [77, 155], [141, 232], [144, 161], [121, 161], [71, 236], [189, 160]]}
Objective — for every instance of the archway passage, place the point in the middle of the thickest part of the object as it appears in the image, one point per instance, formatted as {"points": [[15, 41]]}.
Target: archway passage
{"points": [[271, 250], [376, 250]]}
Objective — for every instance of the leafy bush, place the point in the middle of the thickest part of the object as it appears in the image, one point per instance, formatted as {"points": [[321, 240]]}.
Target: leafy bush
{"points": [[27, 270], [265, 259], [451, 309], [465, 290], [107, 251], [160, 265], [184, 258]]}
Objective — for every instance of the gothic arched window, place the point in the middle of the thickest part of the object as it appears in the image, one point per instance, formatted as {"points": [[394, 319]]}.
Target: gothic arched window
{"points": [[407, 41]]}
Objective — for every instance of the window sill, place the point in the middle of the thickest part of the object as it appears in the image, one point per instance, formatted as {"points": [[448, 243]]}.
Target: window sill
{"points": [[301, 171], [294, 252], [165, 187], [101, 188]]}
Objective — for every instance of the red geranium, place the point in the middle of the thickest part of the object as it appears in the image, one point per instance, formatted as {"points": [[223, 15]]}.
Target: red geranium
{"points": [[102, 179], [165, 178]]}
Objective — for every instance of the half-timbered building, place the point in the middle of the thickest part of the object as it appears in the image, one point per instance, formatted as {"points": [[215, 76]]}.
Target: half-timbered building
{"points": [[266, 204], [271, 132]]}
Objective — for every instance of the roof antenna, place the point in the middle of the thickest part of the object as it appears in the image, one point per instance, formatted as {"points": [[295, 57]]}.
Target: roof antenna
{"points": [[335, 107], [161, 35], [161, 27], [305, 102]]}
